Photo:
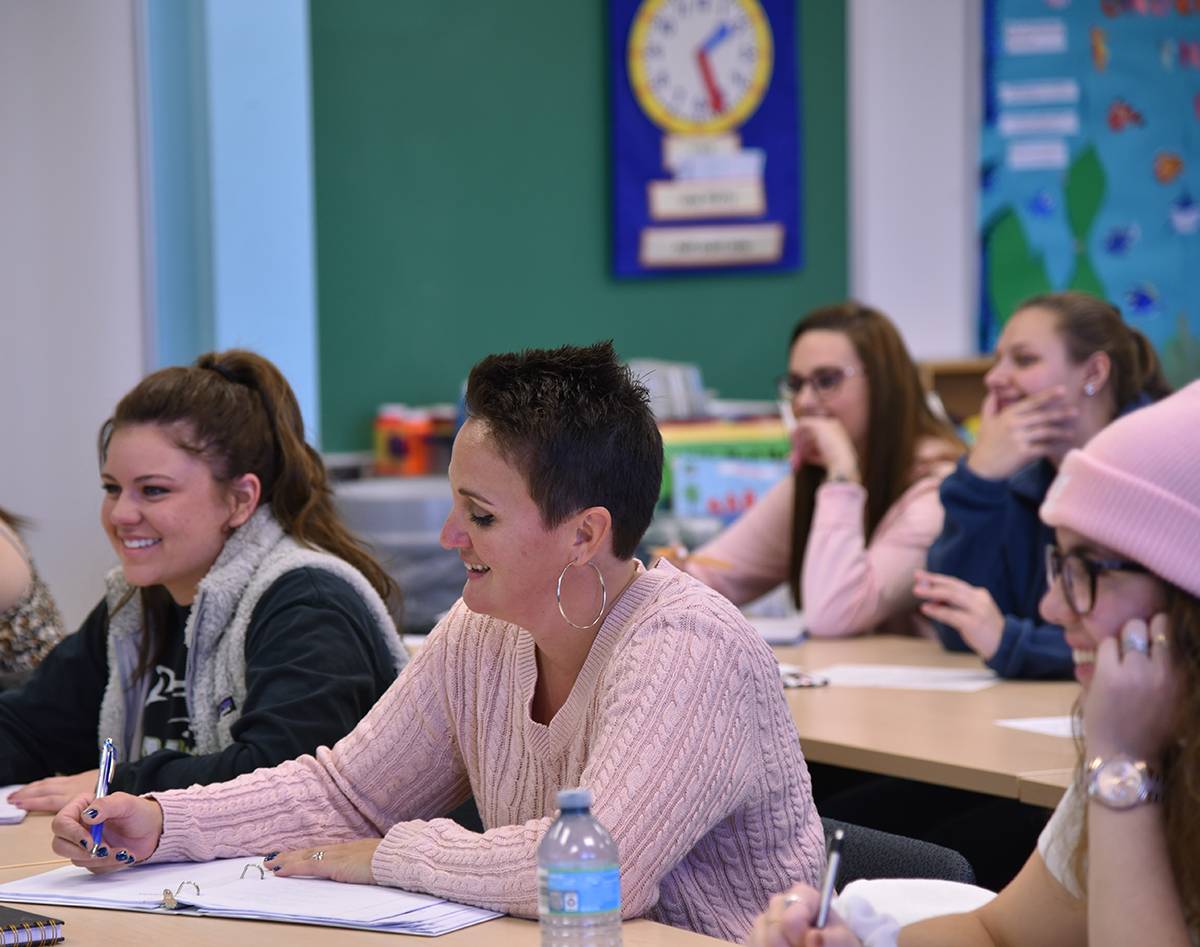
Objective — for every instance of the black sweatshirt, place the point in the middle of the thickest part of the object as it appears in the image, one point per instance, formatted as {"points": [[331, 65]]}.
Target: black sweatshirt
{"points": [[315, 664]]}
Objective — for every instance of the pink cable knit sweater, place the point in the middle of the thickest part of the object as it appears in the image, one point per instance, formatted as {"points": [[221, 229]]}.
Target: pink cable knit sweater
{"points": [[677, 723]]}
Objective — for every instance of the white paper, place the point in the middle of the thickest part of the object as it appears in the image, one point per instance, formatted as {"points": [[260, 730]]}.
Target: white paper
{"points": [[788, 629], [1036, 154], [223, 892], [1056, 122], [907, 677], [10, 814], [1050, 726], [1039, 92], [1035, 37]]}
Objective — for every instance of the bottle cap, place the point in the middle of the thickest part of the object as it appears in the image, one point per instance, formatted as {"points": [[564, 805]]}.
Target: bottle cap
{"points": [[574, 799]]}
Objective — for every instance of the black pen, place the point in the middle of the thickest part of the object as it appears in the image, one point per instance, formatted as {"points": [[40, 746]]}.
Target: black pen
{"points": [[832, 861]]}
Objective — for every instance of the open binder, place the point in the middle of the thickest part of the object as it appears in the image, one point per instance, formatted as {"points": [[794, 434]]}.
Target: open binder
{"points": [[240, 887]]}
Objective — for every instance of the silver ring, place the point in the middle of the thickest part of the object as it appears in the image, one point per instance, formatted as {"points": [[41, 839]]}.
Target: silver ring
{"points": [[1135, 642], [317, 855], [790, 899]]}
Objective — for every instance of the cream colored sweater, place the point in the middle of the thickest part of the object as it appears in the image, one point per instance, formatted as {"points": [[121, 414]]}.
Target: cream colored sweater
{"points": [[677, 723]]}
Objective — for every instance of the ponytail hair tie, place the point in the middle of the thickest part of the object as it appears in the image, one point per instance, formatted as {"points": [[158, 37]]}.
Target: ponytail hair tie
{"points": [[224, 373]]}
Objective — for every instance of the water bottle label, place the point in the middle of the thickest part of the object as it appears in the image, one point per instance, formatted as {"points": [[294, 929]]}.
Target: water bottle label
{"points": [[582, 891]]}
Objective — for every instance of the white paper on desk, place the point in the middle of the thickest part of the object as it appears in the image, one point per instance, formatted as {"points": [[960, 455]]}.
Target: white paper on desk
{"points": [[908, 677], [1050, 726], [10, 814], [224, 893], [786, 630]]}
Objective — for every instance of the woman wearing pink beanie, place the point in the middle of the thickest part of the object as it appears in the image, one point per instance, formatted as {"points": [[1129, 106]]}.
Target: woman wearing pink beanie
{"points": [[1125, 586]]}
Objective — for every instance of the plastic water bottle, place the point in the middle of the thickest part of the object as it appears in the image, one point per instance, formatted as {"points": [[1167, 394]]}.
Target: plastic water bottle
{"points": [[579, 880]]}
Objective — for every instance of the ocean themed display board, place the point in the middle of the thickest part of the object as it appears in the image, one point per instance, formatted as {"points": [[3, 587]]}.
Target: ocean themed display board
{"points": [[706, 135], [1091, 163]]}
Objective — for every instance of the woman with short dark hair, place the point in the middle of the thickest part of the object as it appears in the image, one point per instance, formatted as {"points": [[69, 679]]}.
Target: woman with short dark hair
{"points": [[566, 663]]}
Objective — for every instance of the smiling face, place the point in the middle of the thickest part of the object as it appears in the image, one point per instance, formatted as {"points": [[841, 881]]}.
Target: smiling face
{"points": [[1031, 356], [818, 350], [1120, 597], [165, 514], [512, 560]]}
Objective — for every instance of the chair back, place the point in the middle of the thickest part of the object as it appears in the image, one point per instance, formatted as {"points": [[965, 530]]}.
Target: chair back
{"points": [[870, 853]]}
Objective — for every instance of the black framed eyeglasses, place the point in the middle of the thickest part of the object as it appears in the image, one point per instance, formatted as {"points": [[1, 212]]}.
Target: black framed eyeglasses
{"points": [[825, 381], [1079, 572]]}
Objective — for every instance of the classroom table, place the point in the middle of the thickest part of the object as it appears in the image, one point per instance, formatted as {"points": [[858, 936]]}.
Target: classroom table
{"points": [[28, 843], [946, 738]]}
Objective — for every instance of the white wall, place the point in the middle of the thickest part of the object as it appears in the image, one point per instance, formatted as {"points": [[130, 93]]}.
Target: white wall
{"points": [[71, 339], [914, 101]]}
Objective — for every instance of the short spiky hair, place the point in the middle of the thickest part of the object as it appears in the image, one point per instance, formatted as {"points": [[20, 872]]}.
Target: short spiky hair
{"points": [[577, 424]]}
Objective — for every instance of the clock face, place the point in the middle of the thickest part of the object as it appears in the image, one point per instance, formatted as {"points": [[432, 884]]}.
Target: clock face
{"points": [[699, 66]]}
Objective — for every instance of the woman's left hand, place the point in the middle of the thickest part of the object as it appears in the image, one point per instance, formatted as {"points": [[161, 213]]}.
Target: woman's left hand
{"points": [[349, 863], [1129, 705], [54, 792], [968, 609]]}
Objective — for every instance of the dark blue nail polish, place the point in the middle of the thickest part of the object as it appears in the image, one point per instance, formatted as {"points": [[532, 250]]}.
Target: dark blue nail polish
{"points": [[269, 857], [85, 844], [129, 859], [275, 867], [122, 856], [92, 813], [101, 852]]}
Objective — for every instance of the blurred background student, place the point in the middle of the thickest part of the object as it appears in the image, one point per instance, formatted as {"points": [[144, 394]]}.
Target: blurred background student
{"points": [[1119, 861], [30, 623], [244, 625], [848, 529], [1066, 365]]}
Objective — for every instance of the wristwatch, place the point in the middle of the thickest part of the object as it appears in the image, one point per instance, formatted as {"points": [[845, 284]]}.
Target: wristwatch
{"points": [[1121, 782]]}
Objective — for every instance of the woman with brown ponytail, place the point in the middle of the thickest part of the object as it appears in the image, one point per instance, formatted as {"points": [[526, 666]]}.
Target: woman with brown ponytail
{"points": [[1066, 366], [245, 626]]}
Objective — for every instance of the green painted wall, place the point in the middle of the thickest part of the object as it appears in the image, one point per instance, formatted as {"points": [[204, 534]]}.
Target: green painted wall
{"points": [[463, 205]]}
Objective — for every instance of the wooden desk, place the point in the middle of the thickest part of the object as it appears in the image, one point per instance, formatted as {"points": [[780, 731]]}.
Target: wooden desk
{"points": [[1044, 788], [87, 926], [27, 844], [949, 739]]}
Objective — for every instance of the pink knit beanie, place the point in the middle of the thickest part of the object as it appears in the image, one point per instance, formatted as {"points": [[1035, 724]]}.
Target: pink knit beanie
{"points": [[1135, 487]]}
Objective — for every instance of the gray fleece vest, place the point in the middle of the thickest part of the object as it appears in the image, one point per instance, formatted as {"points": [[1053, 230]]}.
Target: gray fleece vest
{"points": [[258, 553]]}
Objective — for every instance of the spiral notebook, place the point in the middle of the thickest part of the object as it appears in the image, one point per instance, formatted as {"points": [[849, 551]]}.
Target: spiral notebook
{"points": [[22, 927], [240, 887]]}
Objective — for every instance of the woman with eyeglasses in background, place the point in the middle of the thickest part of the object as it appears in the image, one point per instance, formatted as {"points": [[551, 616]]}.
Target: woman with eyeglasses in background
{"points": [[1066, 366], [848, 529], [1119, 861]]}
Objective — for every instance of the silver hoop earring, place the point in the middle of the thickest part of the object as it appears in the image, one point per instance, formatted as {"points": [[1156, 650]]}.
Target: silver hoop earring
{"points": [[603, 597]]}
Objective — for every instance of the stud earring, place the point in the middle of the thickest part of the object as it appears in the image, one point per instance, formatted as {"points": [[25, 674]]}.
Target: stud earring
{"points": [[1089, 389]]}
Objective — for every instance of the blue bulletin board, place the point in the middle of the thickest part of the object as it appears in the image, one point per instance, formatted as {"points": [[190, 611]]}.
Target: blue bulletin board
{"points": [[1090, 163], [706, 135]]}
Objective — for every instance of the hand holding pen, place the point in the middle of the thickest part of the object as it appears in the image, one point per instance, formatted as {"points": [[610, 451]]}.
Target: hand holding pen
{"points": [[802, 916], [132, 827]]}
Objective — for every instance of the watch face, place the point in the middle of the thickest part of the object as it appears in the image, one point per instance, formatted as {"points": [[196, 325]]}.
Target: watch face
{"points": [[699, 66], [1120, 783]]}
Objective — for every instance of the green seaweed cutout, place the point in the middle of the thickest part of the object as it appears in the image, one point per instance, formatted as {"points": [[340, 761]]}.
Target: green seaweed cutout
{"points": [[1014, 271], [1086, 184], [1085, 278], [1181, 354]]}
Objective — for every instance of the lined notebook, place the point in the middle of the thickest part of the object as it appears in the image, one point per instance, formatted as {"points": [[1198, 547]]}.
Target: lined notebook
{"points": [[22, 927], [240, 887]]}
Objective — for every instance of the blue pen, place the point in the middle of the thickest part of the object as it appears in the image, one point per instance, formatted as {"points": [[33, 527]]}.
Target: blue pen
{"points": [[108, 757]]}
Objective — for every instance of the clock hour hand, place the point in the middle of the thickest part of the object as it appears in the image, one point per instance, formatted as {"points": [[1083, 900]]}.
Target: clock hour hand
{"points": [[715, 99]]}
